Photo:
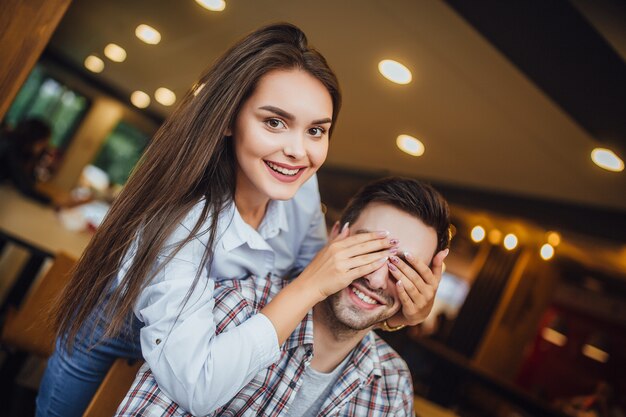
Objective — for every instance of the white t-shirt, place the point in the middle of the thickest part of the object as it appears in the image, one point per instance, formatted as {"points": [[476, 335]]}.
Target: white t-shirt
{"points": [[193, 366]]}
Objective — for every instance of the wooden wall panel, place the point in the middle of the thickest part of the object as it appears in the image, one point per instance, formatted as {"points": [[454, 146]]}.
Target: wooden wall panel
{"points": [[25, 29]]}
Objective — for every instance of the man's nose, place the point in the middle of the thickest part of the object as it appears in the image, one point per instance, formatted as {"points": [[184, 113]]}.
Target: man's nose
{"points": [[378, 279]]}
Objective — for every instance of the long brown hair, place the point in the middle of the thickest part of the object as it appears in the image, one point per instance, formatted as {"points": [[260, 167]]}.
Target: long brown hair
{"points": [[188, 160]]}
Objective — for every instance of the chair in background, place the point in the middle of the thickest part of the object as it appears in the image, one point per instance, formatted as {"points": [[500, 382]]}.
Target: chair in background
{"points": [[27, 328], [112, 390]]}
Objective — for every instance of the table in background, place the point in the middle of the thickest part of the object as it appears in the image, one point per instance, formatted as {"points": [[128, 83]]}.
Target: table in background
{"points": [[34, 227]]}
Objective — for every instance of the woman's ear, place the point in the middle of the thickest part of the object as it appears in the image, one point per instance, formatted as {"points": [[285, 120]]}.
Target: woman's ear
{"points": [[228, 132]]}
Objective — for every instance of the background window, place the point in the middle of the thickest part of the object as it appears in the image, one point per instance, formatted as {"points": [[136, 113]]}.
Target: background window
{"points": [[121, 151]]}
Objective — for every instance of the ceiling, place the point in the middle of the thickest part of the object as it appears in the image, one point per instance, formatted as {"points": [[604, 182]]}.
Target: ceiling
{"points": [[507, 101]]}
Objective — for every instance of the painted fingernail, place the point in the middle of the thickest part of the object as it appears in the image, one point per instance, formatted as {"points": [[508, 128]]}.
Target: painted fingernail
{"points": [[345, 226], [394, 242], [408, 256], [391, 266], [394, 259], [383, 259], [383, 233], [447, 251], [393, 250], [399, 284]]}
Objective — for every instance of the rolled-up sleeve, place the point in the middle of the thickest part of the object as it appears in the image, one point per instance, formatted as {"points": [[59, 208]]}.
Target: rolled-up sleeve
{"points": [[192, 365]]}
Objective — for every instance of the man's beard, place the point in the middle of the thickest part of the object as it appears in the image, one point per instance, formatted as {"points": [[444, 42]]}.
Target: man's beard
{"points": [[346, 320]]}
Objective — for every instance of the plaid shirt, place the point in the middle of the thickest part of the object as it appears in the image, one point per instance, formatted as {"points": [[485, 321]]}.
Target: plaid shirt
{"points": [[375, 381]]}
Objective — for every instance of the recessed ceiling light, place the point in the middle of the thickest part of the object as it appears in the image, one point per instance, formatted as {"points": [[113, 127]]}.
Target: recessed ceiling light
{"points": [[140, 99], [212, 5], [165, 96], [606, 159], [546, 252], [148, 34], [554, 238], [115, 52], [94, 64], [510, 241], [395, 71], [478, 234], [410, 145], [494, 236]]}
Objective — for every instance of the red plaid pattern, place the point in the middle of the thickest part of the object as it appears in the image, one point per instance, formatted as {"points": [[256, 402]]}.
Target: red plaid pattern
{"points": [[375, 382]]}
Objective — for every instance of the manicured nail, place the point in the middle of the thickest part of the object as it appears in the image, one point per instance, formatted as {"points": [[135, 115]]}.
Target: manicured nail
{"points": [[383, 233], [393, 250], [399, 284], [383, 259], [394, 259], [345, 226], [391, 266], [447, 251], [408, 256], [394, 242]]}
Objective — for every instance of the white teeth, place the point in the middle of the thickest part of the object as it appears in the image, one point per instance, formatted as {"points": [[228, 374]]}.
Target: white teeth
{"points": [[284, 171], [367, 299]]}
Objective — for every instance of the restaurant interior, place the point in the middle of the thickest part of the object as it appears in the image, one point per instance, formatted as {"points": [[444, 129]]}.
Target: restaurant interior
{"points": [[514, 111]]}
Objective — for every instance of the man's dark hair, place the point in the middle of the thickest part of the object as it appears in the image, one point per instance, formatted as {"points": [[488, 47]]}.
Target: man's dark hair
{"points": [[409, 195]]}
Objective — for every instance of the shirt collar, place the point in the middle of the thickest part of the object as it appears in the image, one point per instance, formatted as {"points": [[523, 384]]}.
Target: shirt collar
{"points": [[275, 219], [365, 358], [237, 232]]}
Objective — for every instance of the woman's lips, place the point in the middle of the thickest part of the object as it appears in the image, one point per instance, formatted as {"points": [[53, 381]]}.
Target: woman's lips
{"points": [[285, 176]]}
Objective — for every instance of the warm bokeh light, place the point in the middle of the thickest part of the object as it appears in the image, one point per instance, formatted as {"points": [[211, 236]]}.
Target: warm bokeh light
{"points": [[395, 71], [94, 64], [140, 99], [115, 52], [478, 234], [148, 34], [553, 238], [495, 236], [546, 252], [595, 353], [607, 159], [510, 241], [553, 336], [212, 5], [410, 145], [165, 96]]}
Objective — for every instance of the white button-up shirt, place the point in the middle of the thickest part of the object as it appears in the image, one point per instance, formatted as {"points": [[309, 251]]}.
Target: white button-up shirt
{"points": [[195, 367]]}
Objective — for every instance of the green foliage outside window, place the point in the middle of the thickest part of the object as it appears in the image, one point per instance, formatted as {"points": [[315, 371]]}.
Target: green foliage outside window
{"points": [[47, 99], [120, 152]]}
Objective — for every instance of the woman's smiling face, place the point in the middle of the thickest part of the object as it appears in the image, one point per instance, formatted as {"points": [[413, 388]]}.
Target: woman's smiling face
{"points": [[281, 134]]}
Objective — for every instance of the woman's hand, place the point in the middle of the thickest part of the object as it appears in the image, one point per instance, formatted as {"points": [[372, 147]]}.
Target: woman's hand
{"points": [[346, 258], [417, 285]]}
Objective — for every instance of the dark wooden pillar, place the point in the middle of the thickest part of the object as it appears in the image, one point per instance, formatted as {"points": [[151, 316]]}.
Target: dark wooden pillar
{"points": [[25, 29]]}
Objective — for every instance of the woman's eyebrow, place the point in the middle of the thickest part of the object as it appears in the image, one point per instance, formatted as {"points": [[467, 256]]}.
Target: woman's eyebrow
{"points": [[286, 115], [277, 110]]}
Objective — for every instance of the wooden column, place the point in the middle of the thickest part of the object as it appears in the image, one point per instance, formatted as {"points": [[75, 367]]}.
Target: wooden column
{"points": [[25, 29]]}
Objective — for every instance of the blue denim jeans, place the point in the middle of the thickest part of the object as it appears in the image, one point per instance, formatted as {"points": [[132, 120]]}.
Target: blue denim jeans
{"points": [[72, 377]]}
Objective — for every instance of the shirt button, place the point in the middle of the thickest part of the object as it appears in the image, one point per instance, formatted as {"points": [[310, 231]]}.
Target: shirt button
{"points": [[292, 384], [158, 341]]}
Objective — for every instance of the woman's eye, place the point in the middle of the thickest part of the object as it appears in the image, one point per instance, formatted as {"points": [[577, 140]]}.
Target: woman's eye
{"points": [[275, 123], [316, 131]]}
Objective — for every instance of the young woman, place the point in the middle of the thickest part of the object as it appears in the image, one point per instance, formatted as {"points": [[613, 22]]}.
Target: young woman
{"points": [[225, 189]]}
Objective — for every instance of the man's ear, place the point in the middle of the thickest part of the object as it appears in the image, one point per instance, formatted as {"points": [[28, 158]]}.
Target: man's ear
{"points": [[334, 232]]}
